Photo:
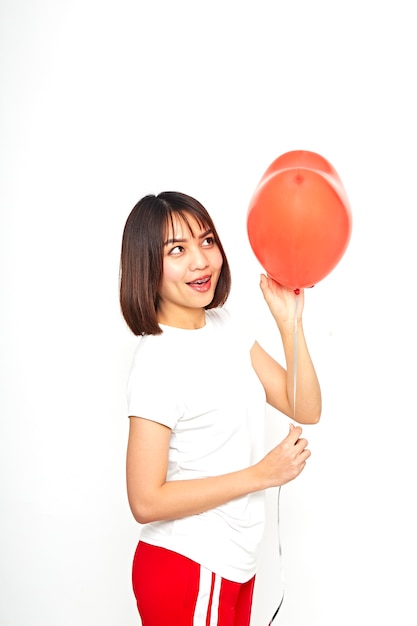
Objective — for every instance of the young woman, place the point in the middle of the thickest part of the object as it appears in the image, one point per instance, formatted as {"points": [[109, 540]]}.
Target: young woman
{"points": [[196, 466]]}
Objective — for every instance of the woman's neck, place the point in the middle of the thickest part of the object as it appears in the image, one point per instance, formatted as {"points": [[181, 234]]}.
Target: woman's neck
{"points": [[189, 319]]}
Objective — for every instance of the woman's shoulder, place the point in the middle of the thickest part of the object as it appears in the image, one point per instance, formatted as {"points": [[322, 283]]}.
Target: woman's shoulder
{"points": [[149, 349], [218, 316], [234, 322]]}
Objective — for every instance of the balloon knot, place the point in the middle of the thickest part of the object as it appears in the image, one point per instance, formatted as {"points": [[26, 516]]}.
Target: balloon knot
{"points": [[297, 292]]}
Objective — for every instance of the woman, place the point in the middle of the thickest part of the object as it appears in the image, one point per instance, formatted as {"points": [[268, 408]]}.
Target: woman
{"points": [[196, 468]]}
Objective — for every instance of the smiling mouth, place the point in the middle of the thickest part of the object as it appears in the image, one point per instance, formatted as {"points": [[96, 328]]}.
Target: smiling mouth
{"points": [[200, 281], [201, 285]]}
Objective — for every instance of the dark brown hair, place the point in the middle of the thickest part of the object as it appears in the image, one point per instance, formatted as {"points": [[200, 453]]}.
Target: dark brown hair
{"points": [[141, 263]]}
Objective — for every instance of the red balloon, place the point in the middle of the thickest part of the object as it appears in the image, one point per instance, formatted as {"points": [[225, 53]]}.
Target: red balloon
{"points": [[299, 220]]}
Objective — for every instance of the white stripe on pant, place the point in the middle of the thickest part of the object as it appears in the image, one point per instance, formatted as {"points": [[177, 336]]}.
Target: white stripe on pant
{"points": [[203, 598]]}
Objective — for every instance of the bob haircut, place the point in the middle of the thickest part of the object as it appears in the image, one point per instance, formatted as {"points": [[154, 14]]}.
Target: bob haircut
{"points": [[141, 263]]}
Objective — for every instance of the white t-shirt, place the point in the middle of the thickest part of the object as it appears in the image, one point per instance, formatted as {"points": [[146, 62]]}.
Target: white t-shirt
{"points": [[201, 384]]}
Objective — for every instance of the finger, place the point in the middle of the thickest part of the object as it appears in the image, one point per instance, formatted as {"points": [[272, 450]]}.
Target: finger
{"points": [[295, 433], [301, 443], [304, 455]]}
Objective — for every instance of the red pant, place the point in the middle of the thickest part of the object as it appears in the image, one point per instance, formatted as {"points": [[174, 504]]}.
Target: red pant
{"points": [[171, 589]]}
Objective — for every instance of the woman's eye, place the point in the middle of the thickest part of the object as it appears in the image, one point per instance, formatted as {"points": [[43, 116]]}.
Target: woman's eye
{"points": [[208, 241], [176, 250]]}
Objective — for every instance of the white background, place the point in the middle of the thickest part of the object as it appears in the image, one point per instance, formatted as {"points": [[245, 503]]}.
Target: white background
{"points": [[105, 101]]}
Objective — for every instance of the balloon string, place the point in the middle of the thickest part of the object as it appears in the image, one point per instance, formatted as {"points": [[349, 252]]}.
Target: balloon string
{"points": [[279, 488]]}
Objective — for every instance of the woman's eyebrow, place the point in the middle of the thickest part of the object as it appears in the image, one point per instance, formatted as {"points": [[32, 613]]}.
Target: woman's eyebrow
{"points": [[168, 242], [172, 240], [209, 231]]}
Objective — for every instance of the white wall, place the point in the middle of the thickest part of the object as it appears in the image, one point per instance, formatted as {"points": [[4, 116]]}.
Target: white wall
{"points": [[105, 101]]}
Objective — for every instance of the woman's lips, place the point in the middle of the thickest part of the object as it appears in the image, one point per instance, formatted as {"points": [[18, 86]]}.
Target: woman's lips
{"points": [[202, 284]]}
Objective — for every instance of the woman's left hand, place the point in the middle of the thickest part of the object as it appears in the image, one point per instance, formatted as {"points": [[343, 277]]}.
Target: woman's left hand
{"points": [[282, 302]]}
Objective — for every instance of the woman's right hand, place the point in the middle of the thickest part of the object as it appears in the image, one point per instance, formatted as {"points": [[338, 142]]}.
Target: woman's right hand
{"points": [[153, 498], [286, 461]]}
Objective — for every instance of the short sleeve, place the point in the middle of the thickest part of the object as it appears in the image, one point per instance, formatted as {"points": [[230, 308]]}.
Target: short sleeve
{"points": [[151, 388]]}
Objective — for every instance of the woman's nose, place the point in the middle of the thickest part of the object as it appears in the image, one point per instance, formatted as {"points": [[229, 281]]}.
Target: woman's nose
{"points": [[198, 259]]}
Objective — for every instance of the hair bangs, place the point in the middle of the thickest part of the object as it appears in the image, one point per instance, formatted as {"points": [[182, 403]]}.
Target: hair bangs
{"points": [[183, 216]]}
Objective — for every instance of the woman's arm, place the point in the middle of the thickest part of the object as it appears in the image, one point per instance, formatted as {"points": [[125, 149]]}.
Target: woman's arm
{"points": [[152, 497], [277, 381]]}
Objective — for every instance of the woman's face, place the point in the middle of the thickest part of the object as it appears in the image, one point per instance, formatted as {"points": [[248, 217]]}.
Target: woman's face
{"points": [[191, 268]]}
